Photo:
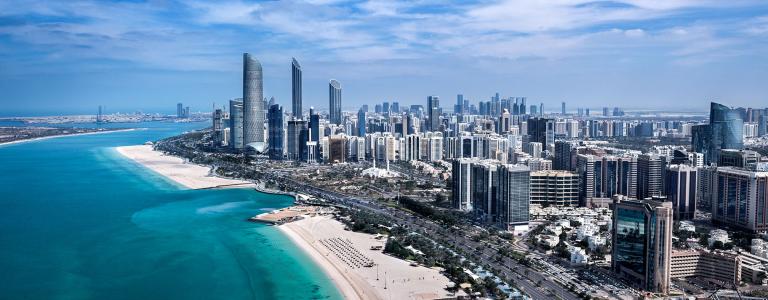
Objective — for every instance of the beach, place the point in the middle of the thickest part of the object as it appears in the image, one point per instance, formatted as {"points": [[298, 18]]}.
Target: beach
{"points": [[389, 278], [189, 175], [63, 135], [358, 273]]}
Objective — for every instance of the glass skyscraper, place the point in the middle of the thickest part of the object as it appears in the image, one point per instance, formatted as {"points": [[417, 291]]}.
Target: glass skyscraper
{"points": [[642, 243], [334, 97], [725, 131], [236, 124], [276, 135], [253, 104], [296, 88]]}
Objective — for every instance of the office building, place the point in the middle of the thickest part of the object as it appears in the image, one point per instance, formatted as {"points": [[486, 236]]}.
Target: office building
{"points": [[746, 159], [602, 177], [484, 192], [334, 98], [681, 190], [563, 158], [236, 124], [642, 243], [542, 131], [296, 88], [297, 138], [433, 113], [276, 132], [514, 197], [337, 149], [562, 110], [739, 199], [554, 188], [461, 175], [361, 123], [650, 176], [724, 131], [180, 110], [253, 104]]}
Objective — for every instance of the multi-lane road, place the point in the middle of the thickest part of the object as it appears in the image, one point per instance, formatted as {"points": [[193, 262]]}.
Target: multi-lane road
{"points": [[528, 280]]}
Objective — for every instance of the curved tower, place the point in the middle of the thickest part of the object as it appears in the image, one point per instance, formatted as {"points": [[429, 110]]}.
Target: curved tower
{"points": [[253, 102], [334, 97]]}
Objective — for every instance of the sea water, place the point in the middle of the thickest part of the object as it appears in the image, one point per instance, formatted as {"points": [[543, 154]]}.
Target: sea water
{"points": [[79, 221]]}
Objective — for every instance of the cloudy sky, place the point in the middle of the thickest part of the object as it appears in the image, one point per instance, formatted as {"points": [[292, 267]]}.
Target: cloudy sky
{"points": [[71, 56]]}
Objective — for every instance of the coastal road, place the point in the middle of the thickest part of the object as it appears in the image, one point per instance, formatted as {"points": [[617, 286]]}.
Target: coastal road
{"points": [[508, 268]]}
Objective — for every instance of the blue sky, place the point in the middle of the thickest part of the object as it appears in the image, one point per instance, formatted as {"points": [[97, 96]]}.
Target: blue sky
{"points": [[71, 56]]}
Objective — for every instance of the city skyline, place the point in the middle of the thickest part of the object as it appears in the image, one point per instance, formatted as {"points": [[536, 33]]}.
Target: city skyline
{"points": [[587, 54]]}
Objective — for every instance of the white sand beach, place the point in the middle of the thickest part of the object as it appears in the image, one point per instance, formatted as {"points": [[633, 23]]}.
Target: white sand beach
{"points": [[321, 237], [189, 175], [63, 135]]}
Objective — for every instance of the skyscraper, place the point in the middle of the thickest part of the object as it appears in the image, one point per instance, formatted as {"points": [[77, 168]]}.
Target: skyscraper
{"points": [[514, 196], [681, 189], [642, 243], [276, 135], [724, 131], [253, 104], [563, 108], [296, 88], [236, 124], [459, 107], [218, 127], [361, 123], [295, 142], [334, 97], [179, 110], [740, 199], [433, 112], [650, 176]]}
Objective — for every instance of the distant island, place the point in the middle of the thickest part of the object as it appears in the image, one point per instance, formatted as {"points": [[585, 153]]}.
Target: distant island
{"points": [[10, 135]]}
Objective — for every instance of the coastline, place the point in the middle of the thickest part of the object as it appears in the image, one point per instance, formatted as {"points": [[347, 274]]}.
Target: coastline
{"points": [[187, 175], [63, 135], [389, 278], [343, 284]]}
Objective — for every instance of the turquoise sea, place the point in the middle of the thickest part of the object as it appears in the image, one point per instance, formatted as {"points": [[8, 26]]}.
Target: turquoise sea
{"points": [[78, 221]]}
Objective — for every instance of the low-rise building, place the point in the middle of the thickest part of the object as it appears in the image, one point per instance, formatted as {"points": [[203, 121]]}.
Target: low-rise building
{"points": [[719, 267]]}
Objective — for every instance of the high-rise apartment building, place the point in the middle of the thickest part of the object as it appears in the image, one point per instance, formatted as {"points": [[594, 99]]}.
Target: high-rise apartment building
{"points": [[642, 243], [253, 104], [334, 98], [296, 89], [740, 199]]}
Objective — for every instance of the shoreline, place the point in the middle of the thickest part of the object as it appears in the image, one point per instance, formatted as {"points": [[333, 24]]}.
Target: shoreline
{"points": [[63, 135], [342, 284], [177, 170], [389, 278]]}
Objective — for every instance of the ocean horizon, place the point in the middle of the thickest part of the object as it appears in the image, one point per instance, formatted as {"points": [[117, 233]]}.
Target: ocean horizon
{"points": [[79, 221]]}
